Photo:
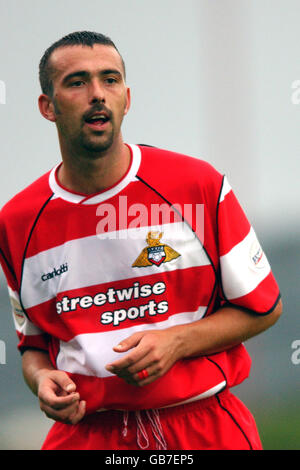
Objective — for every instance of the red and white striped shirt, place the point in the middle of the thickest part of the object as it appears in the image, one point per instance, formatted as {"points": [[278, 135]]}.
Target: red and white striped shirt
{"points": [[167, 245]]}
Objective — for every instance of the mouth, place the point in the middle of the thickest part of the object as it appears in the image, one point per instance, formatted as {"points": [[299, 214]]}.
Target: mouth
{"points": [[98, 121]]}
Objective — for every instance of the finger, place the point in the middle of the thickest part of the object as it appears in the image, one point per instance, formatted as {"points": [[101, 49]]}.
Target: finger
{"points": [[57, 390], [138, 382], [128, 378], [79, 414], [59, 403], [49, 397], [147, 381], [63, 381], [153, 371], [129, 343], [129, 360], [148, 362], [64, 415], [146, 358]]}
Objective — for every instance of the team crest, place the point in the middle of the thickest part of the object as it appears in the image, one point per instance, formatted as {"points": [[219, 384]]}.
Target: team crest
{"points": [[155, 253]]}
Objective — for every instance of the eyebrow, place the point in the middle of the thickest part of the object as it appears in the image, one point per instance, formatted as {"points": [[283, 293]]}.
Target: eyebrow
{"points": [[84, 73]]}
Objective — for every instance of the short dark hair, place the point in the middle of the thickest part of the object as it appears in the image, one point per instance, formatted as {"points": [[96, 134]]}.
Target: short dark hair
{"points": [[83, 38]]}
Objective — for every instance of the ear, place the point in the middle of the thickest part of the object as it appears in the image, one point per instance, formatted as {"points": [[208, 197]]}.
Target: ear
{"points": [[46, 108], [128, 101]]}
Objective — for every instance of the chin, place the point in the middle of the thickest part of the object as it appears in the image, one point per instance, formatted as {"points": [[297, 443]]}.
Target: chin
{"points": [[97, 147]]}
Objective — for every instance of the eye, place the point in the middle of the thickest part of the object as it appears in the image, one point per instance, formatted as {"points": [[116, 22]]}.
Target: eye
{"points": [[78, 83], [111, 80]]}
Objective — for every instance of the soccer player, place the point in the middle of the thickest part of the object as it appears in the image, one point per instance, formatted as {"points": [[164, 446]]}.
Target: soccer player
{"points": [[134, 276]]}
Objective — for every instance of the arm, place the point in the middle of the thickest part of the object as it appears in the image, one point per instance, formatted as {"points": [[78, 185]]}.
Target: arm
{"points": [[157, 350], [227, 327], [54, 389]]}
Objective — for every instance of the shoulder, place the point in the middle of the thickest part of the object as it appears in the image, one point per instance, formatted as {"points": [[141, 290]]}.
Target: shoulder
{"points": [[26, 204], [178, 168]]}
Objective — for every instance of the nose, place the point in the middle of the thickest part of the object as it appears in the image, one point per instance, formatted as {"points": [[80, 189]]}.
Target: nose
{"points": [[96, 92]]}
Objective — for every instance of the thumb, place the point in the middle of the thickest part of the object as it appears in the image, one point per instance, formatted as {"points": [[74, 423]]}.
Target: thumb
{"points": [[63, 380], [129, 342]]}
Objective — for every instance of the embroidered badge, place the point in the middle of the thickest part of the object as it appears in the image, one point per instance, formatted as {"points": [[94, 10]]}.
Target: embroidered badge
{"points": [[17, 311], [155, 253], [257, 258]]}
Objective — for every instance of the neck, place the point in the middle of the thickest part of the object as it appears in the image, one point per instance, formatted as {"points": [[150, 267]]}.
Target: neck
{"points": [[89, 175]]}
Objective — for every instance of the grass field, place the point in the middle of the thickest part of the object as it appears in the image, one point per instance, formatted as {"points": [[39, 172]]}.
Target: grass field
{"points": [[280, 430]]}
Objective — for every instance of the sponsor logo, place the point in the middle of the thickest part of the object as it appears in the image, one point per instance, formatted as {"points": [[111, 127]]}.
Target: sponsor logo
{"points": [[155, 253], [17, 311], [257, 256], [56, 272], [122, 296]]}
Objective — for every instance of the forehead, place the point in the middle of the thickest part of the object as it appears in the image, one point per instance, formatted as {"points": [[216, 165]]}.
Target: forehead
{"points": [[68, 59]]}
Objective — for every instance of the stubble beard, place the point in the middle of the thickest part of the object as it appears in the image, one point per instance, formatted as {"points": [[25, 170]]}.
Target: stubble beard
{"points": [[91, 148], [88, 146], [96, 145]]}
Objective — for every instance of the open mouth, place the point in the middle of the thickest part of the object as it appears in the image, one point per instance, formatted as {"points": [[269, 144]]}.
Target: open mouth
{"points": [[97, 121]]}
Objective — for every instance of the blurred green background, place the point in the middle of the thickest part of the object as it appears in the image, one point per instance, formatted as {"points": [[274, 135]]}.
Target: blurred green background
{"points": [[272, 390]]}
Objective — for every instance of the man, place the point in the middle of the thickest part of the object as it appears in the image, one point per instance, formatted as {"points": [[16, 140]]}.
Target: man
{"points": [[131, 308]]}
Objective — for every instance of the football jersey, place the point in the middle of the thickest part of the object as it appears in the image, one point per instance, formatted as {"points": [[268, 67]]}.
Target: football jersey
{"points": [[167, 245]]}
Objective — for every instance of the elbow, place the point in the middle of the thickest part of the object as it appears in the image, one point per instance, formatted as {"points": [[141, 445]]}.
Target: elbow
{"points": [[277, 311], [278, 308]]}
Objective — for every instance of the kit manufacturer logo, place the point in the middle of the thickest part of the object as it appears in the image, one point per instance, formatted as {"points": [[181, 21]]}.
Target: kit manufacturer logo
{"points": [[55, 272]]}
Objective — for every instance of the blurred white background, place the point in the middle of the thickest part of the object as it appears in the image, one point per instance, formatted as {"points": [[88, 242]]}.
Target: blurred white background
{"points": [[209, 78]]}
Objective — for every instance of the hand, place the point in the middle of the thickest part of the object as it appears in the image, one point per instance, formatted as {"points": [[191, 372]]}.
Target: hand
{"points": [[57, 397], [154, 350]]}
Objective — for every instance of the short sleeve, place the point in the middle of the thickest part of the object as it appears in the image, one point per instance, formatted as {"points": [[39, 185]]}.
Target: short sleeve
{"points": [[29, 335], [247, 280]]}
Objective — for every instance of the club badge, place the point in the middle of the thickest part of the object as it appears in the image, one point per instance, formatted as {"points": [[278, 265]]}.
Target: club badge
{"points": [[155, 253]]}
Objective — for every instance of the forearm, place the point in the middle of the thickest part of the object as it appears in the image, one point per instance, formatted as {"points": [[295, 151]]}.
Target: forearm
{"points": [[224, 329], [34, 363], [55, 390], [157, 350]]}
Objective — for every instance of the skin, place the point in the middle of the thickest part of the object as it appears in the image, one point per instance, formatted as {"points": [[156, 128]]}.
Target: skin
{"points": [[156, 351], [94, 159]]}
